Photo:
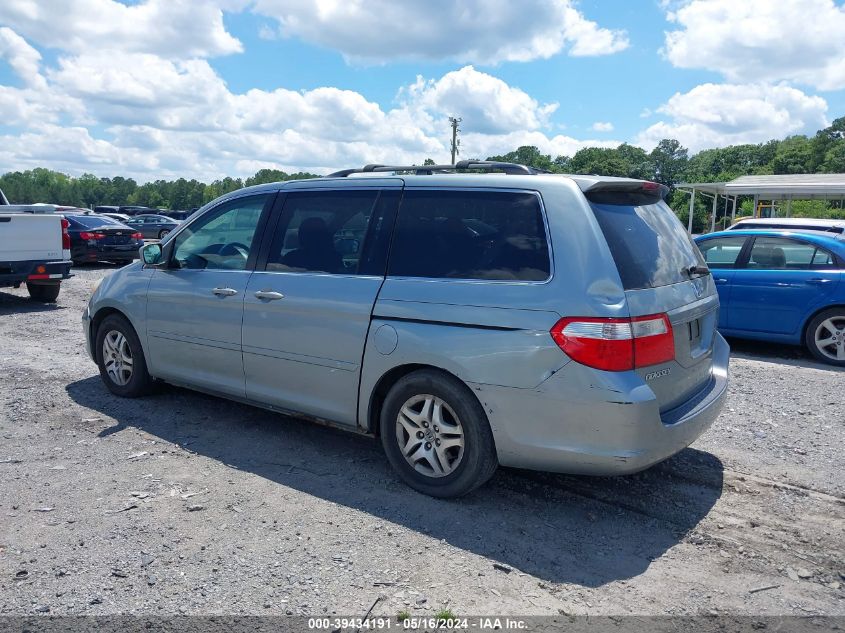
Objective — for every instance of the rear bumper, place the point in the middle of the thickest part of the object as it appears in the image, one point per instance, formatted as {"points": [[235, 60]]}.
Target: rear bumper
{"points": [[583, 421], [110, 253], [15, 273]]}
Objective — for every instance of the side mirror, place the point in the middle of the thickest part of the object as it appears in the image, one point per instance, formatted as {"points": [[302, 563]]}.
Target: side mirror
{"points": [[151, 254]]}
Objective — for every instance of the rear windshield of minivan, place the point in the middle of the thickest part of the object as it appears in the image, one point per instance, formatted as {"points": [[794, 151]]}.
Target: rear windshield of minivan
{"points": [[648, 243]]}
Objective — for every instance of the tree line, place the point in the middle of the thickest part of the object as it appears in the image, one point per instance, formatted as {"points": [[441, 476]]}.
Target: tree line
{"points": [[88, 191], [668, 163]]}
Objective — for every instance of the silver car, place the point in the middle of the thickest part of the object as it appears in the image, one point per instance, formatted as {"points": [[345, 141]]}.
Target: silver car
{"points": [[561, 323], [151, 226]]}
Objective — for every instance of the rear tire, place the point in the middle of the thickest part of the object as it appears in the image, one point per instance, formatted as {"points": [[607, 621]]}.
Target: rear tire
{"points": [[162, 233], [47, 293], [436, 436], [120, 358], [825, 336]]}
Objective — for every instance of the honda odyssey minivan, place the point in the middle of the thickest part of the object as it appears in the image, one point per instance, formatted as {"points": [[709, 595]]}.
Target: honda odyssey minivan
{"points": [[466, 319]]}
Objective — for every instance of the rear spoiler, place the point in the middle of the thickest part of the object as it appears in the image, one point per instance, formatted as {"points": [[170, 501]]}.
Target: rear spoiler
{"points": [[633, 192]]}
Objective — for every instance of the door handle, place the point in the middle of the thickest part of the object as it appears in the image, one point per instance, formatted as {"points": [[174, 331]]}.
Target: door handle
{"points": [[269, 295], [224, 292], [818, 280], [720, 280]]}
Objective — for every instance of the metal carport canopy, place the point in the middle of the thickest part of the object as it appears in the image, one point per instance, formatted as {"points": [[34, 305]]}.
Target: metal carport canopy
{"points": [[769, 187], [776, 187]]}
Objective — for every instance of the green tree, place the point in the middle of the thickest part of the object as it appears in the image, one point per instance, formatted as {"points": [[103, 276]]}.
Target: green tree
{"points": [[668, 161], [526, 155]]}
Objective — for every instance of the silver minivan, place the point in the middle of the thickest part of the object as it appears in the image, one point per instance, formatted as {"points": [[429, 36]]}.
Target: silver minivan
{"points": [[466, 317]]}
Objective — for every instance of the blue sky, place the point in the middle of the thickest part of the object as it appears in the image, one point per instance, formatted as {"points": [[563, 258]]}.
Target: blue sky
{"points": [[166, 88]]}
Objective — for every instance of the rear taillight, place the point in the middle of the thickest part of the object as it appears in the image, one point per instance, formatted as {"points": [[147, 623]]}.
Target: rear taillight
{"points": [[137, 236], [65, 235], [615, 344], [85, 235]]}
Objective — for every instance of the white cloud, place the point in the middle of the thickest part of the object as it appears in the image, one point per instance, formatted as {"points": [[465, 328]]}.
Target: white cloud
{"points": [[761, 40], [486, 103], [22, 57], [716, 115], [175, 28], [602, 126], [474, 31]]}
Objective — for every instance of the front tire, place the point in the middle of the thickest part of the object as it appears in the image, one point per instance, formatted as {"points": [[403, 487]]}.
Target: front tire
{"points": [[436, 436], [120, 358], [47, 293], [163, 233], [825, 336]]}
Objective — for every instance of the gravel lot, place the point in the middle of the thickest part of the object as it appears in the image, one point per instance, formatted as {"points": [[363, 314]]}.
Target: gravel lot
{"points": [[184, 503]]}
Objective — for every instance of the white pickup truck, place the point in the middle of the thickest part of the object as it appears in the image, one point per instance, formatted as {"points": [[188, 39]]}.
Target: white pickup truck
{"points": [[34, 249]]}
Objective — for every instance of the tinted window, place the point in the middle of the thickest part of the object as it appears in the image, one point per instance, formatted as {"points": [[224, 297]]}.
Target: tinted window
{"points": [[222, 239], [721, 252], [89, 221], [338, 232], [772, 253], [470, 235], [649, 245]]}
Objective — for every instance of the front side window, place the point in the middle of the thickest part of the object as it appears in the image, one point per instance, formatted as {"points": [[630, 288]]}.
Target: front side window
{"points": [[334, 232], [772, 253], [494, 235], [721, 252], [222, 239]]}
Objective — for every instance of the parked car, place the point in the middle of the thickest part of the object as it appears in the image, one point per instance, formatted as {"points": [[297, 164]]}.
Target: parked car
{"points": [[837, 227], [34, 249], [120, 217], [106, 209], [95, 238], [177, 215], [537, 321], [781, 286], [153, 227]]}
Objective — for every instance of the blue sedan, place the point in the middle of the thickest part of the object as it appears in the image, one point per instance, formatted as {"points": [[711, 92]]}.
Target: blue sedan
{"points": [[781, 286]]}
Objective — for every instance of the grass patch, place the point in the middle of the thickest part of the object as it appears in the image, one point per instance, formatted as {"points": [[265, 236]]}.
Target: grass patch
{"points": [[403, 615]]}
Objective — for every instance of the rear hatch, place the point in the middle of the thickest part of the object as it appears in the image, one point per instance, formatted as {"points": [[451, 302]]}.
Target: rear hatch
{"points": [[662, 272], [116, 236]]}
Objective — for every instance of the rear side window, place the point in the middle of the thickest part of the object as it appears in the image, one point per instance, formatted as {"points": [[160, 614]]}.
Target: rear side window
{"points": [[773, 253], [495, 235], [648, 243]]}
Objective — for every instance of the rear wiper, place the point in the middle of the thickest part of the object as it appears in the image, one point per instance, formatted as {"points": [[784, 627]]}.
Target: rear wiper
{"points": [[697, 270]]}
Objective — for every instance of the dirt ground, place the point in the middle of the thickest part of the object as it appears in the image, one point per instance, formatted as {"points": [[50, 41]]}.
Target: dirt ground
{"points": [[185, 503]]}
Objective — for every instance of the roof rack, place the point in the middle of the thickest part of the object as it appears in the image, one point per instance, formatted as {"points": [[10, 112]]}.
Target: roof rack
{"points": [[484, 165]]}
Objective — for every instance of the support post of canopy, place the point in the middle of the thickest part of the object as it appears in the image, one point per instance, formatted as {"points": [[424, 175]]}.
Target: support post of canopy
{"points": [[713, 214], [733, 211], [691, 209]]}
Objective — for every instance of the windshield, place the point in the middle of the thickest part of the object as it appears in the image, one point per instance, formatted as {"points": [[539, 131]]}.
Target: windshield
{"points": [[648, 243], [91, 221]]}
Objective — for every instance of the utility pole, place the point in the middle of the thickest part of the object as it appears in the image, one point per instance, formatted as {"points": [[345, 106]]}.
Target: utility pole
{"points": [[455, 142]]}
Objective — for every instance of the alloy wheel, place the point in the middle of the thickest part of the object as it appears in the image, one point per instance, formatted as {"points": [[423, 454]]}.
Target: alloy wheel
{"points": [[830, 338]]}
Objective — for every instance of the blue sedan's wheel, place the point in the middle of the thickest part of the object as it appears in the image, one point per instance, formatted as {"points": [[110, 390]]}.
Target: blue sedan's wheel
{"points": [[825, 336]]}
